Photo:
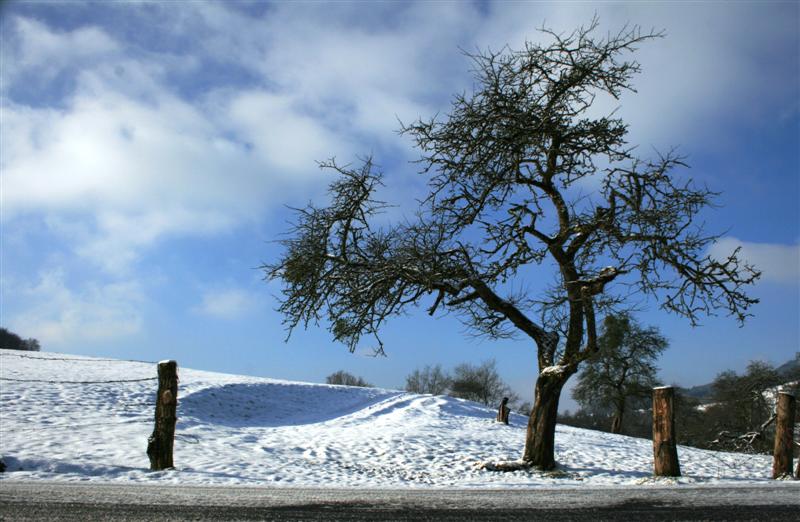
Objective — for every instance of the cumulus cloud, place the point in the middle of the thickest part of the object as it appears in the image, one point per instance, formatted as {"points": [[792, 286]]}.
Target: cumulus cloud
{"points": [[227, 303], [356, 70], [59, 315], [123, 174], [37, 49], [279, 132], [124, 160], [127, 162], [778, 263]]}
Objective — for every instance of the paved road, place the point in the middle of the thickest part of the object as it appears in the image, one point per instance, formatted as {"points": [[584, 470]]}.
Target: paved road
{"points": [[82, 501]]}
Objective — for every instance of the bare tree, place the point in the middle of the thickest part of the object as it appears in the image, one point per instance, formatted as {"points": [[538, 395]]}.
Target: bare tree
{"points": [[623, 372], [523, 407], [346, 379], [31, 345], [743, 412], [506, 167], [481, 383], [431, 379], [11, 341]]}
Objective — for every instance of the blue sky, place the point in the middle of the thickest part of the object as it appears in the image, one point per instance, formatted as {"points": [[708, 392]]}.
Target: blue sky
{"points": [[150, 151]]}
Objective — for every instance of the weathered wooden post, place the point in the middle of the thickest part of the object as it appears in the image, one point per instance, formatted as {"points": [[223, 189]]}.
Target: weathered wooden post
{"points": [[665, 451], [161, 442], [503, 411], [784, 433]]}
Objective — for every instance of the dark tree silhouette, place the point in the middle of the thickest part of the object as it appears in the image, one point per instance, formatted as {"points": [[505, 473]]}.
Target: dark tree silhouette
{"points": [[743, 408], [480, 383], [346, 379], [506, 168], [11, 341], [431, 379], [623, 372]]}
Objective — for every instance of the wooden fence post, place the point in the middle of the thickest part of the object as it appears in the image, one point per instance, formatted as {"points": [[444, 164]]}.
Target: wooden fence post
{"points": [[784, 432], [161, 442], [503, 411], [665, 451]]}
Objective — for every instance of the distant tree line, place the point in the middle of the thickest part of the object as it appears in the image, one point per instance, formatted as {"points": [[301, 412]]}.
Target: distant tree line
{"points": [[347, 379], [736, 413], [614, 392], [740, 415], [479, 383], [11, 341]]}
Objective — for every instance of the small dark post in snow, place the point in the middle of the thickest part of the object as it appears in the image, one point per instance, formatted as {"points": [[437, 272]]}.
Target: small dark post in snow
{"points": [[161, 442], [665, 451], [784, 427], [503, 411]]}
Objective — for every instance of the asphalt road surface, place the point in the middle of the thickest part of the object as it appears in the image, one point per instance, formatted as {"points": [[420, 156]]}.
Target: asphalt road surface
{"points": [[85, 501]]}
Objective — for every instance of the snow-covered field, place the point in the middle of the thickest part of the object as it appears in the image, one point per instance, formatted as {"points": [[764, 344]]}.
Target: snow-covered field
{"points": [[256, 431]]}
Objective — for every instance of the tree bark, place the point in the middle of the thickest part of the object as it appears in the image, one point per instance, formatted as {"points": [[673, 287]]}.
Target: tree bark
{"points": [[616, 423], [784, 428], [540, 438], [161, 441], [503, 411], [665, 451]]}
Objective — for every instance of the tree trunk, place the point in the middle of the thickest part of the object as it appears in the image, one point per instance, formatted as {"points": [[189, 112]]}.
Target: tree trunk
{"points": [[784, 427], [665, 451], [161, 442], [540, 438], [616, 422]]}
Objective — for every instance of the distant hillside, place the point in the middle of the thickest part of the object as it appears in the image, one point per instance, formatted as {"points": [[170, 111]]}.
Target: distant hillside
{"points": [[700, 392], [790, 369], [703, 392]]}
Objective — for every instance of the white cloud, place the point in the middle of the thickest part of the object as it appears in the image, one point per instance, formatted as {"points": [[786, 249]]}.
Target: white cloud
{"points": [[123, 174], [118, 171], [57, 315], [36, 48], [351, 73], [228, 303], [281, 135], [126, 162], [778, 263]]}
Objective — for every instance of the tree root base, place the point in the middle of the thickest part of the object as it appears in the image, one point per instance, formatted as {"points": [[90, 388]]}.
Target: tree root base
{"points": [[505, 466]]}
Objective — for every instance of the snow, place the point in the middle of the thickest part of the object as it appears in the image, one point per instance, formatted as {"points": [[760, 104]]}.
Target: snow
{"points": [[239, 430], [553, 370]]}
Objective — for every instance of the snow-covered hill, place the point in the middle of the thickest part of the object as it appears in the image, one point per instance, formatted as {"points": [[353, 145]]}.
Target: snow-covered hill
{"points": [[78, 418]]}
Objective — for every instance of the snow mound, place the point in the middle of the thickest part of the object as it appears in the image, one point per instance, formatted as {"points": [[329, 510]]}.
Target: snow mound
{"points": [[272, 404], [80, 418]]}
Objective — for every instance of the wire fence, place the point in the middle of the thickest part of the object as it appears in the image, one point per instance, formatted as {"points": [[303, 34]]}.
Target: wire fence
{"points": [[78, 382], [114, 410], [71, 359], [75, 359]]}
